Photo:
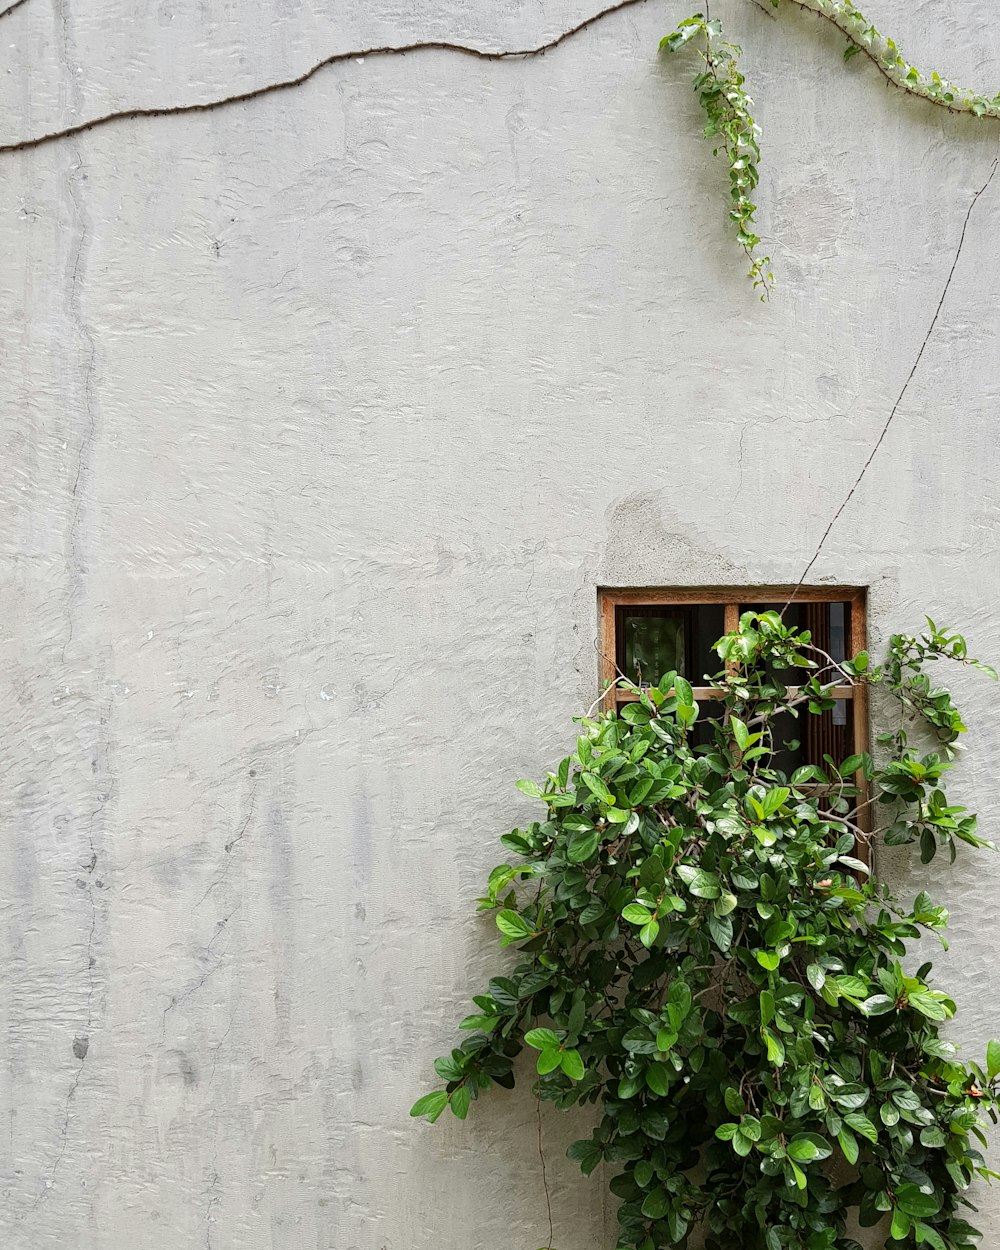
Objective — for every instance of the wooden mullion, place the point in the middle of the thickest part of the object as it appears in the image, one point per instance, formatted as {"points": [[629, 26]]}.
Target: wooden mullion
{"points": [[859, 642]]}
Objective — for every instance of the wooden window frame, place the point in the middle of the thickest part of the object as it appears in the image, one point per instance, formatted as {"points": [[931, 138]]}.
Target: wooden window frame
{"points": [[610, 598]]}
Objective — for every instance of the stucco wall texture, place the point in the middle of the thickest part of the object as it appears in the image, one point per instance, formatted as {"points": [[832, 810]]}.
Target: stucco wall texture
{"points": [[323, 417]]}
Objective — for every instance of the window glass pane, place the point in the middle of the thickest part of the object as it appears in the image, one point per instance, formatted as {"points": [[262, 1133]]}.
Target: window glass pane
{"points": [[651, 641], [708, 626]]}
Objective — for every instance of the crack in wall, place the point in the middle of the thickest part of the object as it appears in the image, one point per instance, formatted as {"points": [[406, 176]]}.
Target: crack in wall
{"points": [[229, 847], [11, 8], [176, 1002], [214, 1199], [222, 925], [76, 176], [81, 1043], [288, 84], [909, 378]]}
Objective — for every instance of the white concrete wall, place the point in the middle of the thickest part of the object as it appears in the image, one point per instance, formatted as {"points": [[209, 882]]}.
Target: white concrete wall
{"points": [[322, 419]]}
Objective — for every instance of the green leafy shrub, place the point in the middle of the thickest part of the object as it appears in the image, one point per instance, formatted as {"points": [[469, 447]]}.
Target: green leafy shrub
{"points": [[701, 953]]}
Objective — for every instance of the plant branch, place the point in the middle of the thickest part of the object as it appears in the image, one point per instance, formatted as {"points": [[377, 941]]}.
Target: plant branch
{"points": [[287, 84], [545, 1178], [899, 398], [884, 55]]}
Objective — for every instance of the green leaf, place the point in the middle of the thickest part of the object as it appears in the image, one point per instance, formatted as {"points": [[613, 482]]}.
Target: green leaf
{"points": [[587, 1153], [853, 987], [635, 913], [572, 1065], [929, 1236], [775, 1049], [725, 904], [929, 1006], [775, 799], [916, 1203], [726, 1132], [513, 925], [548, 1061], [877, 1005], [701, 883], [658, 1078], [849, 1145], [530, 788], [992, 1059], [861, 1124], [665, 1040], [740, 732], [431, 1105], [721, 929], [484, 1023], [807, 1147], [542, 1039], [741, 1143], [450, 1067], [683, 692], [901, 1225], [597, 787], [656, 1204], [649, 933], [583, 846], [768, 959], [460, 1102]]}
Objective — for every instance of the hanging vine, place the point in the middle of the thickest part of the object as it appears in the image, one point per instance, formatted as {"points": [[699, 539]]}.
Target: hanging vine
{"points": [[720, 90]]}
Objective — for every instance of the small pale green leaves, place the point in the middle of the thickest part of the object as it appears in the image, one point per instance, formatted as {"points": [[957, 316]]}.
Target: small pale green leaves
{"points": [[729, 122], [720, 87]]}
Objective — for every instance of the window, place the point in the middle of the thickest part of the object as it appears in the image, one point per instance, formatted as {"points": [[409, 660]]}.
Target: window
{"points": [[645, 633]]}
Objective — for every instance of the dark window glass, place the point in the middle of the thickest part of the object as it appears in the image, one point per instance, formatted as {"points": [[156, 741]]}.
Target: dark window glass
{"points": [[655, 640], [652, 641]]}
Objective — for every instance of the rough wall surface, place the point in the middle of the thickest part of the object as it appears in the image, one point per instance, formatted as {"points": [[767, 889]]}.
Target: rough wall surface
{"points": [[322, 419]]}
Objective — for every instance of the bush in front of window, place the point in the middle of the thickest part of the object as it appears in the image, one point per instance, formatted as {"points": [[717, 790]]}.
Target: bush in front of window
{"points": [[703, 955]]}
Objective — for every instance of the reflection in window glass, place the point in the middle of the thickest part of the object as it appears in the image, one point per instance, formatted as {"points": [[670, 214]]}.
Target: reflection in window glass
{"points": [[652, 641]]}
